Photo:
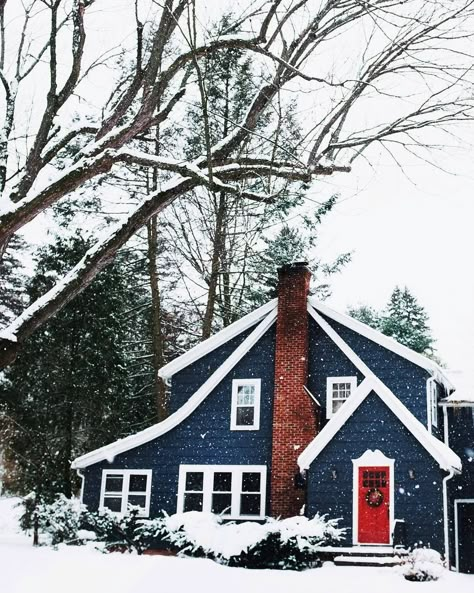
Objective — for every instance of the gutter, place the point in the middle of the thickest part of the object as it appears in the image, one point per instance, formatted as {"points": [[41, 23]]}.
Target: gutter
{"points": [[81, 496]]}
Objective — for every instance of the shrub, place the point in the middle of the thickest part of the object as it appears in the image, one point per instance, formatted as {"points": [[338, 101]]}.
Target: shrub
{"points": [[423, 564], [286, 544]]}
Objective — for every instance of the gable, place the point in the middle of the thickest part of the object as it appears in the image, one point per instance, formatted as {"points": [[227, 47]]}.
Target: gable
{"points": [[386, 342], [445, 457]]}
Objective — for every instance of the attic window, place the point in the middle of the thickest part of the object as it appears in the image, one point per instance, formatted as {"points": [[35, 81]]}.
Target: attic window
{"points": [[339, 389], [245, 411], [235, 491], [123, 488]]}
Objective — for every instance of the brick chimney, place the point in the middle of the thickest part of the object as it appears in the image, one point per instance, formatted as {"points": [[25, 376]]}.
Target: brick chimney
{"points": [[293, 411]]}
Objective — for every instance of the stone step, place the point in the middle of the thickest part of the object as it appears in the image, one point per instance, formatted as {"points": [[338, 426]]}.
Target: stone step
{"points": [[363, 550], [368, 560]]}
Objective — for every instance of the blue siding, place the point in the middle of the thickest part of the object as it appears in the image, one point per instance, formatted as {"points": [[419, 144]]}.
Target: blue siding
{"points": [[461, 441], [203, 438], [405, 379], [418, 501], [187, 381], [326, 360]]}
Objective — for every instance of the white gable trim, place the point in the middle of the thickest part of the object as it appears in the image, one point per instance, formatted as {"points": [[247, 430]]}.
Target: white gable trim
{"points": [[223, 336], [383, 340], [109, 451], [340, 343], [446, 458]]}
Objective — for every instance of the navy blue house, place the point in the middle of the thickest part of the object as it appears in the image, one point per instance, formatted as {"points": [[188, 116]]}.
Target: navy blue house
{"points": [[298, 408]]}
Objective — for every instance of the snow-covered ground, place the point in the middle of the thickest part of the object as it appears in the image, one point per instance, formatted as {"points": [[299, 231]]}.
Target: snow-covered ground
{"points": [[24, 569]]}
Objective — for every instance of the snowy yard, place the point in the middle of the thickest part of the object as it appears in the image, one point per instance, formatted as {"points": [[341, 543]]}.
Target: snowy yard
{"points": [[24, 569]]}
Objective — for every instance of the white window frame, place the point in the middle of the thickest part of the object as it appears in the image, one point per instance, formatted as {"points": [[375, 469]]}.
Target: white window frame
{"points": [[432, 403], [236, 491], [329, 391], [126, 473], [236, 383]]}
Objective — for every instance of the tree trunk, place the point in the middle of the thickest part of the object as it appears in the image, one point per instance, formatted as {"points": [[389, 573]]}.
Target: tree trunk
{"points": [[157, 337], [218, 247]]}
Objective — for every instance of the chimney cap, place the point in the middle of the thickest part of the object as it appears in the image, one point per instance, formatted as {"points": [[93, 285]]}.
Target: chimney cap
{"points": [[297, 265]]}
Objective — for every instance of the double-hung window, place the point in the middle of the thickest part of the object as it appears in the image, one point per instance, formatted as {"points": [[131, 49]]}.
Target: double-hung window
{"points": [[339, 389], [121, 488], [234, 491], [245, 412]]}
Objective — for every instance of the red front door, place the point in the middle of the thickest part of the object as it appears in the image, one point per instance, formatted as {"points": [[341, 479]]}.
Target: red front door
{"points": [[374, 505]]}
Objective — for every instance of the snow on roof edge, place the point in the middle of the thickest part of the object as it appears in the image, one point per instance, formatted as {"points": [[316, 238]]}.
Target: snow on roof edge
{"points": [[375, 336]]}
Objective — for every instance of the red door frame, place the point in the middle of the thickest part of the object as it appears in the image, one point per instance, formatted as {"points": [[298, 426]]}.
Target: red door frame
{"points": [[373, 502]]}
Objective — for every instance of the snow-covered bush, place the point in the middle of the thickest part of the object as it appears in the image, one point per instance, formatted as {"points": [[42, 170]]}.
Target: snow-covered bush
{"points": [[117, 532], [423, 564], [287, 544], [60, 521]]}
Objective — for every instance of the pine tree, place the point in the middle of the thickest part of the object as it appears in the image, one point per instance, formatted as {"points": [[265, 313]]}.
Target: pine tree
{"points": [[12, 279], [72, 388], [405, 320]]}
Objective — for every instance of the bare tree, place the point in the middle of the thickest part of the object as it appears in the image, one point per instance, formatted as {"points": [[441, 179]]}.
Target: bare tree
{"points": [[376, 72]]}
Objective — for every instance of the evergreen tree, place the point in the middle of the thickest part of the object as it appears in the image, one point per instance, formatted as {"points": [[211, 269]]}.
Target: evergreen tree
{"points": [[403, 319], [12, 279], [366, 314], [71, 389]]}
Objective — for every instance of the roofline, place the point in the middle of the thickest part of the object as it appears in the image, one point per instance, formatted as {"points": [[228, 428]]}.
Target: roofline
{"points": [[384, 341], [110, 451], [445, 457], [221, 337]]}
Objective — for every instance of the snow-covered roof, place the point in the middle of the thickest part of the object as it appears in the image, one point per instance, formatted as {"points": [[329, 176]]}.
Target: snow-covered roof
{"points": [[110, 451], [463, 388], [446, 458], [389, 343]]}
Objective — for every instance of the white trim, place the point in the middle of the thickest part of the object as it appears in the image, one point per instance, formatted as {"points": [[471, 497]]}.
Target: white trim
{"points": [[236, 488], [223, 336], [336, 338], [383, 340], [456, 533], [456, 404], [446, 458], [330, 382], [446, 426], [236, 383], [431, 404], [110, 451], [375, 459], [125, 492]]}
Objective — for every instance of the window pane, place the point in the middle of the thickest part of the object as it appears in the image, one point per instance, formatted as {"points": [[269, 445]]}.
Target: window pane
{"points": [[221, 503], [138, 483], [137, 500], [194, 481], [222, 482], [246, 396], [114, 503], [192, 502], [250, 504], [336, 404], [245, 416], [113, 483], [250, 482]]}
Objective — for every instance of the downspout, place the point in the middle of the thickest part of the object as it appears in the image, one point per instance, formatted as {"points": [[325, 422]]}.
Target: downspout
{"points": [[81, 496], [445, 513]]}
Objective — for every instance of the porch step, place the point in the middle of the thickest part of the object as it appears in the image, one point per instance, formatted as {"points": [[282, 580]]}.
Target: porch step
{"points": [[350, 560], [363, 550]]}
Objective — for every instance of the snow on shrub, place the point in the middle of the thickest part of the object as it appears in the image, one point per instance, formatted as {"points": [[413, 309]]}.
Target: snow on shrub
{"points": [[288, 544], [423, 564], [60, 521]]}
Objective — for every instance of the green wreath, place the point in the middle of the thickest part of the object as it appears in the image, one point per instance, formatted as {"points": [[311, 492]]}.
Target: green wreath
{"points": [[374, 497]]}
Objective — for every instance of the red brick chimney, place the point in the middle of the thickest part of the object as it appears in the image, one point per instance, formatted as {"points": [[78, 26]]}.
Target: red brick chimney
{"points": [[293, 412]]}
